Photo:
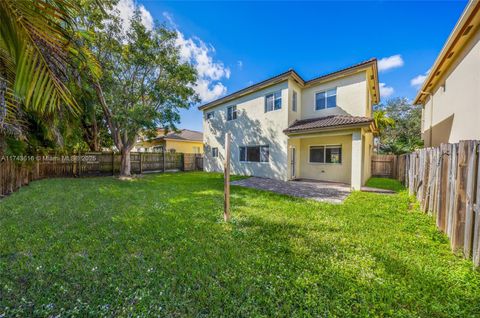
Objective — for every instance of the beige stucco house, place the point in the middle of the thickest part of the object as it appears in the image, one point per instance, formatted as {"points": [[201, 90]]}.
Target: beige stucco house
{"points": [[287, 128], [450, 94]]}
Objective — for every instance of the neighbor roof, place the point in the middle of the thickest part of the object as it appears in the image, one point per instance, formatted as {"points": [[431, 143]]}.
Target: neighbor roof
{"points": [[372, 63], [184, 134], [327, 122], [461, 34]]}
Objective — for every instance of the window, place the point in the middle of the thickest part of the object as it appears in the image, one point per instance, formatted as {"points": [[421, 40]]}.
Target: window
{"points": [[158, 149], [326, 99], [196, 149], [231, 113], [294, 101], [210, 115], [273, 101], [326, 154], [254, 154], [214, 152]]}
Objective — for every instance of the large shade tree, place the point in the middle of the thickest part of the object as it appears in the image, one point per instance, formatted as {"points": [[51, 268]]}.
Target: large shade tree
{"points": [[144, 83], [405, 135]]}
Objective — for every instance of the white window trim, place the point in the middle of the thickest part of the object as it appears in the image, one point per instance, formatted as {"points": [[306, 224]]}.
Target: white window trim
{"points": [[246, 161], [218, 152], [324, 91], [236, 112], [265, 101], [324, 154]]}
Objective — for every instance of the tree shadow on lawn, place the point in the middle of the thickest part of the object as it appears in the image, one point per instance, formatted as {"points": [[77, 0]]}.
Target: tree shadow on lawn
{"points": [[164, 250]]}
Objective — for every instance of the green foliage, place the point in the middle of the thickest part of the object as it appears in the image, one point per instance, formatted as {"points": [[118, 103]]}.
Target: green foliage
{"points": [[157, 246], [385, 183], [144, 83], [405, 135]]}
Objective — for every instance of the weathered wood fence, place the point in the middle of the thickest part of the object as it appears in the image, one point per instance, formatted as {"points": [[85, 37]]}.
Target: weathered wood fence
{"points": [[17, 171], [446, 182], [384, 166]]}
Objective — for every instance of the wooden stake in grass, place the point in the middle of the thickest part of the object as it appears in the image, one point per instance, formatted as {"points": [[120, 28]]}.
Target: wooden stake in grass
{"points": [[226, 174]]}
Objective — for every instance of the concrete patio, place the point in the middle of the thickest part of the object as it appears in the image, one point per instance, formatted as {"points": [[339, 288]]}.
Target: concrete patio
{"points": [[331, 192]]}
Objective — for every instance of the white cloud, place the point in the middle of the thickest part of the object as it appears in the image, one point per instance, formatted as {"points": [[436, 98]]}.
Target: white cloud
{"points": [[200, 55], [126, 9], [386, 91], [391, 62], [418, 80]]}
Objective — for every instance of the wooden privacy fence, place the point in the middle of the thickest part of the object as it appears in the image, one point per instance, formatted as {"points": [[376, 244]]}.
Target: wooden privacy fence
{"points": [[17, 171], [384, 166], [446, 182]]}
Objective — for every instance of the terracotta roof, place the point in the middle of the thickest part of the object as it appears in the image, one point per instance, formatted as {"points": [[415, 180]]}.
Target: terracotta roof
{"points": [[327, 122], [184, 134], [292, 73]]}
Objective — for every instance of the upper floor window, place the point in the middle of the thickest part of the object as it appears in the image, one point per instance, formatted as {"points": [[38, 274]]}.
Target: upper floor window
{"points": [[232, 112], [294, 101], [326, 99], [273, 101], [214, 152], [254, 154]]}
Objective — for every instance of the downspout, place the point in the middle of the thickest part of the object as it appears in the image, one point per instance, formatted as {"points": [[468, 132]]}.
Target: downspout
{"points": [[431, 118]]}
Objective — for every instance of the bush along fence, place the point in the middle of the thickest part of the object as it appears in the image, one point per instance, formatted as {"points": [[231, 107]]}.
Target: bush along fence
{"points": [[18, 171], [446, 182]]}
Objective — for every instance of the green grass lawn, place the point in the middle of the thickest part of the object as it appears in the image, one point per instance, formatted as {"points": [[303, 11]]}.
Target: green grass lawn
{"points": [[385, 183], [157, 246]]}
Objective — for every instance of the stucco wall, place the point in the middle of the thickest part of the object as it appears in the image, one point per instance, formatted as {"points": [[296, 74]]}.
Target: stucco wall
{"points": [[327, 171], [456, 100], [184, 146], [252, 127], [351, 97], [367, 156]]}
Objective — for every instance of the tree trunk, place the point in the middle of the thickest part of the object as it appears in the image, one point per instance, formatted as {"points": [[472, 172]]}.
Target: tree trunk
{"points": [[125, 163]]}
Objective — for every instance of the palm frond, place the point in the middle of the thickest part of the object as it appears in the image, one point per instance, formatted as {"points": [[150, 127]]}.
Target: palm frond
{"points": [[35, 35]]}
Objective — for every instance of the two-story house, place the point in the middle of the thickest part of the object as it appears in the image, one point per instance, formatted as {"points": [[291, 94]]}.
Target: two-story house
{"points": [[450, 94], [288, 128]]}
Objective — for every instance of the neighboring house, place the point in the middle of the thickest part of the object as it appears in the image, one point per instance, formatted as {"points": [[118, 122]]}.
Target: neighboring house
{"points": [[185, 141], [450, 95], [287, 128]]}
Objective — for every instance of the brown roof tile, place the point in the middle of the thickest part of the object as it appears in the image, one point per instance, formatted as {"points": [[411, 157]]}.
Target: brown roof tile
{"points": [[327, 122]]}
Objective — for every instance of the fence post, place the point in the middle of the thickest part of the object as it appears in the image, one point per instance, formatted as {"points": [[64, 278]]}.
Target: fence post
{"points": [[476, 209], [458, 226], [226, 167], [141, 162], [470, 196], [113, 163], [163, 159]]}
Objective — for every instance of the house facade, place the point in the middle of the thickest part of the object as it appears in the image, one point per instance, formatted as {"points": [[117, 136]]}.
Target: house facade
{"points": [[184, 141], [287, 128], [450, 95]]}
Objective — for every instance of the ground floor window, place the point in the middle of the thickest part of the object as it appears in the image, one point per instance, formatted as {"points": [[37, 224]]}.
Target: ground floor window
{"points": [[214, 152], [326, 154], [254, 153]]}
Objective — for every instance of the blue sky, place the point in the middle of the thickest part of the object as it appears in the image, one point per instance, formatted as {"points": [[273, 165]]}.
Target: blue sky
{"points": [[235, 44]]}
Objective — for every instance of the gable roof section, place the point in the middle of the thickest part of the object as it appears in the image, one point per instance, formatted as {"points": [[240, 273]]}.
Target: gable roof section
{"points": [[461, 34], [366, 65], [328, 122], [182, 135]]}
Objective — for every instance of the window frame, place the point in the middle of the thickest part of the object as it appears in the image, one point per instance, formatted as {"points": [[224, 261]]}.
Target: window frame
{"points": [[294, 100], [325, 147], [325, 91], [279, 92], [260, 147], [234, 112], [214, 152]]}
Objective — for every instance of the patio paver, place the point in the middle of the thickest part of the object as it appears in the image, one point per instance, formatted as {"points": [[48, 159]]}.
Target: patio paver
{"points": [[331, 192]]}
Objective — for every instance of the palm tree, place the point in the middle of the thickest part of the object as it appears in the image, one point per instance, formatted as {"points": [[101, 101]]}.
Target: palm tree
{"points": [[37, 47], [382, 121]]}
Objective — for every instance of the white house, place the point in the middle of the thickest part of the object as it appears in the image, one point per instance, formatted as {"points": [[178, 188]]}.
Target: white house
{"points": [[287, 128], [450, 94]]}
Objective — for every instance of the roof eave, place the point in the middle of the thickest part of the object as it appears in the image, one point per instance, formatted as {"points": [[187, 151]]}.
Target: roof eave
{"points": [[465, 20], [323, 129]]}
